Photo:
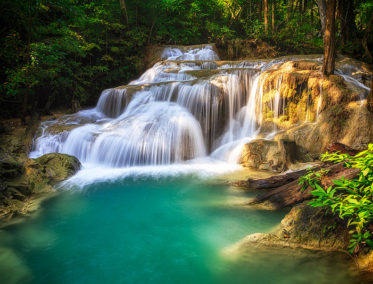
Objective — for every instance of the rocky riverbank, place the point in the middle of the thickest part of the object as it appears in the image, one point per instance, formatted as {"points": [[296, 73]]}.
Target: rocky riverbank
{"points": [[305, 226]]}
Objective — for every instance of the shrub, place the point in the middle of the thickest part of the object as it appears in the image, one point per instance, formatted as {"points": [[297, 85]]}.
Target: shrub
{"points": [[350, 199]]}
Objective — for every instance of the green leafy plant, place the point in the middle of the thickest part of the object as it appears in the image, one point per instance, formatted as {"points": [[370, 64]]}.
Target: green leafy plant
{"points": [[350, 199]]}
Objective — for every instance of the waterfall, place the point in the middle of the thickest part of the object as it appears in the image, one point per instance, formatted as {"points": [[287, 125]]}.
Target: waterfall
{"points": [[112, 102], [188, 106]]}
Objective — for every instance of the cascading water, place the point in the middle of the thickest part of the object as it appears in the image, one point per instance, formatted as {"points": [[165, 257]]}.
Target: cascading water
{"points": [[189, 106], [172, 113]]}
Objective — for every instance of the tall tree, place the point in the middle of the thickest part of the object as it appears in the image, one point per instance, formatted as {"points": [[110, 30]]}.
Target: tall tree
{"points": [[329, 39], [266, 16], [367, 33], [304, 9], [123, 8], [273, 15], [370, 98], [322, 14], [346, 15], [290, 9]]}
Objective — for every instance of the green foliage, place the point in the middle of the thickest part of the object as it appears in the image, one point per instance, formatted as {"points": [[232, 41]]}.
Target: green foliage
{"points": [[59, 50], [350, 199]]}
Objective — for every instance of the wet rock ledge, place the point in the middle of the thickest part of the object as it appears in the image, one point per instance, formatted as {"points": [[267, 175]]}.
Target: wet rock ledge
{"points": [[24, 180]]}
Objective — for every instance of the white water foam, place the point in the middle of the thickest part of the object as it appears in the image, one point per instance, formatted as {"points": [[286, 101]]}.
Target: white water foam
{"points": [[93, 173]]}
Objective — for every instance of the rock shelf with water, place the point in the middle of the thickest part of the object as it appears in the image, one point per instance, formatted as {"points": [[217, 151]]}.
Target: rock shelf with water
{"points": [[192, 106]]}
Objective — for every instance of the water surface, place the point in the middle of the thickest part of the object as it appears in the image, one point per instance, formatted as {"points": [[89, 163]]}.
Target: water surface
{"points": [[154, 230]]}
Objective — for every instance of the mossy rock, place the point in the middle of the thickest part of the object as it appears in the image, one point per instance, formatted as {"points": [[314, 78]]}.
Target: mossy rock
{"points": [[47, 170], [59, 128], [314, 227], [203, 73], [10, 167]]}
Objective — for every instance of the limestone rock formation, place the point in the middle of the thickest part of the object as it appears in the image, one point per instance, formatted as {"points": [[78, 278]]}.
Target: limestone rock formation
{"points": [[310, 110]]}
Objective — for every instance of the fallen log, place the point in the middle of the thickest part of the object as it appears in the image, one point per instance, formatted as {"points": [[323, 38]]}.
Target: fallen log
{"points": [[290, 193], [274, 181], [341, 148], [336, 172]]}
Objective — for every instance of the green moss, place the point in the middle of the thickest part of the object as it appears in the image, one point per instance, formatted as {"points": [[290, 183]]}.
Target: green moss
{"points": [[203, 73]]}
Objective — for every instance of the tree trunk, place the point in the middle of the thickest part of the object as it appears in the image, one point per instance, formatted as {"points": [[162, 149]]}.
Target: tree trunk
{"points": [[322, 14], [370, 98], [364, 41], [151, 29], [123, 9], [273, 16], [259, 9], [290, 9], [266, 16], [329, 39], [347, 19], [311, 12], [305, 2], [24, 107], [274, 181], [290, 194], [137, 11], [300, 7], [250, 11]]}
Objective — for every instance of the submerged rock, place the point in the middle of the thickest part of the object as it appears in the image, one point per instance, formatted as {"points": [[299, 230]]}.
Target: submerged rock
{"points": [[309, 228], [314, 227], [303, 227]]}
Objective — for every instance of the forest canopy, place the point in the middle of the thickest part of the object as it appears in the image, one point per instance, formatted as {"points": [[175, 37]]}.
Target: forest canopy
{"points": [[54, 52]]}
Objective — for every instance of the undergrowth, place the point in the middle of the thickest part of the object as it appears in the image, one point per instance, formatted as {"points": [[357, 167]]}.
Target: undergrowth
{"points": [[349, 199]]}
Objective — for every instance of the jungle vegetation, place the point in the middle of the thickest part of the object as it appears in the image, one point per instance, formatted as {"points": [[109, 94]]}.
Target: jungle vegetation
{"points": [[55, 53]]}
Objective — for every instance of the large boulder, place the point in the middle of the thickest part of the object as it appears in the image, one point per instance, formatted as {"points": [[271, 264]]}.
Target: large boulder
{"points": [[47, 170], [20, 182], [263, 154], [269, 155], [313, 227]]}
